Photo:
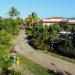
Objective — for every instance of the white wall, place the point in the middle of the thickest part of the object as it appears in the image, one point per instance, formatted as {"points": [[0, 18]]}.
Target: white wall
{"points": [[52, 20], [71, 20]]}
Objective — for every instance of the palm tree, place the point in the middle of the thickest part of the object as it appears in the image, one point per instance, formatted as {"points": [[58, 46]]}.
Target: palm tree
{"points": [[13, 12], [32, 18], [28, 20]]}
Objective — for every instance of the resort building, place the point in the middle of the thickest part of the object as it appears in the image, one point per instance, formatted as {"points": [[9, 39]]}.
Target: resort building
{"points": [[55, 19]]}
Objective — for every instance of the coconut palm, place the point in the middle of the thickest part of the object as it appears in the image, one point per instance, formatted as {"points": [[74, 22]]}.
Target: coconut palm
{"points": [[32, 19], [13, 12]]}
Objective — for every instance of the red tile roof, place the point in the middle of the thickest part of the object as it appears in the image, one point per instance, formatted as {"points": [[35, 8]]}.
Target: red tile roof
{"points": [[57, 17]]}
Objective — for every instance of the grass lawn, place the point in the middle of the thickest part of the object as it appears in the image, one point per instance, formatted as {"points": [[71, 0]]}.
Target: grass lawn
{"points": [[26, 67], [59, 56], [4, 50], [32, 67], [63, 58]]}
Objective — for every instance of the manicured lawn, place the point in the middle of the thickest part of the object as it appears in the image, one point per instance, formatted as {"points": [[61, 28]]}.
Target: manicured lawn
{"points": [[59, 56], [36, 69]]}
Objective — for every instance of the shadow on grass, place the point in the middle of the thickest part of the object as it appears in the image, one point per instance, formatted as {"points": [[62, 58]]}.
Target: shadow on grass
{"points": [[67, 73], [58, 72]]}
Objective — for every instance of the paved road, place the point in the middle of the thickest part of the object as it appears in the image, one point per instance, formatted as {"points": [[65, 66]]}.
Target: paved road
{"points": [[43, 59]]}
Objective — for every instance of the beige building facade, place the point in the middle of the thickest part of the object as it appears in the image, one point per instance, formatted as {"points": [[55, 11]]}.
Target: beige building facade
{"points": [[52, 20]]}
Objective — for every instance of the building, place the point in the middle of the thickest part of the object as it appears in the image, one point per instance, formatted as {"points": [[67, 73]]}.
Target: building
{"points": [[55, 19]]}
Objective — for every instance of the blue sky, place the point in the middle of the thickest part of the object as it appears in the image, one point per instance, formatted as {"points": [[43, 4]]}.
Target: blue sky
{"points": [[44, 8]]}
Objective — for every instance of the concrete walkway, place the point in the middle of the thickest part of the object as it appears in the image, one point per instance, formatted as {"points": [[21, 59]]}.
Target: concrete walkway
{"points": [[43, 59]]}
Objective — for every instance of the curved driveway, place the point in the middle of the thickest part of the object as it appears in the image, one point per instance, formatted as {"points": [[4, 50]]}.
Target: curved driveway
{"points": [[43, 59]]}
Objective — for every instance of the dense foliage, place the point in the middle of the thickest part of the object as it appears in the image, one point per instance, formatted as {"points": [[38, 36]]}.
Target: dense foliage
{"points": [[8, 28], [32, 19], [58, 38]]}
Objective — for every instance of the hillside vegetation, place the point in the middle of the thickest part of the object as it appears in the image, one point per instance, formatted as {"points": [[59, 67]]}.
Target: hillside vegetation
{"points": [[58, 38]]}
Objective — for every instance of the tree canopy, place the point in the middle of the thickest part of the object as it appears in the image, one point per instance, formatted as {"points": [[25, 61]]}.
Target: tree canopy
{"points": [[13, 12]]}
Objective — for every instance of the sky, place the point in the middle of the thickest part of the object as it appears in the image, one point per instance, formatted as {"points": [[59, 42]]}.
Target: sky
{"points": [[44, 8]]}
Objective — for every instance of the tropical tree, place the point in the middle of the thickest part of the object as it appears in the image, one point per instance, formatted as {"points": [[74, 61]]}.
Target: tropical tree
{"points": [[1, 23], [32, 19], [45, 33], [13, 12], [19, 21], [56, 26]]}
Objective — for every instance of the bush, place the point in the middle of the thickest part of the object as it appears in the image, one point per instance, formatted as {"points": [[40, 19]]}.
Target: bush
{"points": [[39, 45]]}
